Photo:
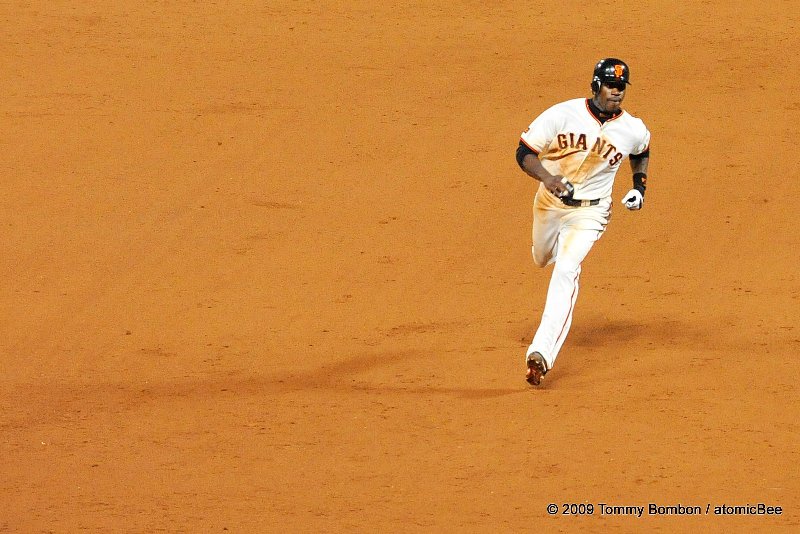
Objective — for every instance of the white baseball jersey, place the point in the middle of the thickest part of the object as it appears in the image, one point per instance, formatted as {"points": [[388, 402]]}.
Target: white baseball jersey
{"points": [[571, 142]]}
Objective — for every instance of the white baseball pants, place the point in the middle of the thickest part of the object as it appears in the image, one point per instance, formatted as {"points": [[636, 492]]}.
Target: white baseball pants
{"points": [[562, 235]]}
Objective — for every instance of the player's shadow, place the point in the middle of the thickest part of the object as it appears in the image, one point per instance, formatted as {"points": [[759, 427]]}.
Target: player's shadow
{"points": [[596, 332], [343, 375]]}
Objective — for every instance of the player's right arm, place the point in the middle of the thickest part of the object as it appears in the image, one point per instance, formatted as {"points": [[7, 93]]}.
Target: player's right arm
{"points": [[535, 140], [528, 161]]}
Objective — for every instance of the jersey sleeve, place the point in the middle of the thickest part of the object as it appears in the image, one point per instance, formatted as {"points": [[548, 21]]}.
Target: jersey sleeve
{"points": [[644, 141], [542, 131]]}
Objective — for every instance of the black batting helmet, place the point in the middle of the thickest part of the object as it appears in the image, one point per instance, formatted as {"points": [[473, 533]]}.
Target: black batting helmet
{"points": [[610, 69]]}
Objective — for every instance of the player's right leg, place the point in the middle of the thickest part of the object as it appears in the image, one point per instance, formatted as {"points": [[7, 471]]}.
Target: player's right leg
{"points": [[546, 227]]}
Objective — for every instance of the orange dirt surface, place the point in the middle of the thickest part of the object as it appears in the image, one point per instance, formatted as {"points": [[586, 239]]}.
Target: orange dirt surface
{"points": [[266, 268]]}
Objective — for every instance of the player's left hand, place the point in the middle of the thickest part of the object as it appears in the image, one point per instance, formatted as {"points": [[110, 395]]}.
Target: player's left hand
{"points": [[634, 200]]}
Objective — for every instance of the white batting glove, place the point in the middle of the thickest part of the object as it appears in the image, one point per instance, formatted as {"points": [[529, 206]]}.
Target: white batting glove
{"points": [[633, 200]]}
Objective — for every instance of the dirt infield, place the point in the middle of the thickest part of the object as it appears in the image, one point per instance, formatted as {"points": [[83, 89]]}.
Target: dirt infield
{"points": [[266, 268]]}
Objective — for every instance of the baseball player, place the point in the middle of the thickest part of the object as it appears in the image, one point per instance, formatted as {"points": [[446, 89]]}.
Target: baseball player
{"points": [[574, 149]]}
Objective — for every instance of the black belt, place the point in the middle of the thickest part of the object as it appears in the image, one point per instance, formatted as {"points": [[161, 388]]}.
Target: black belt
{"points": [[580, 203]]}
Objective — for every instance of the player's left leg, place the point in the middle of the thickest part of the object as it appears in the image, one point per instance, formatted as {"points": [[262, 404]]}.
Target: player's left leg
{"points": [[581, 229]]}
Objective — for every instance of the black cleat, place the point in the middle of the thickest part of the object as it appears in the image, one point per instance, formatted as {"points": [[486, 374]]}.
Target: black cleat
{"points": [[537, 368]]}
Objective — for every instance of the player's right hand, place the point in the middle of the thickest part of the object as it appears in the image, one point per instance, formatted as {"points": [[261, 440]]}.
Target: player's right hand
{"points": [[558, 185]]}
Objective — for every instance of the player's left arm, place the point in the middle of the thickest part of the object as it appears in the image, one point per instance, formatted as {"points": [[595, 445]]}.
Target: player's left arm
{"points": [[639, 163], [640, 159]]}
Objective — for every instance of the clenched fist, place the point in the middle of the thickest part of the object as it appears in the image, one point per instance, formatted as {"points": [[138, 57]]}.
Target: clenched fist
{"points": [[634, 200]]}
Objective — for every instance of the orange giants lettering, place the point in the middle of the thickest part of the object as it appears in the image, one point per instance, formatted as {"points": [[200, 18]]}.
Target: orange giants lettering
{"points": [[604, 149], [571, 140]]}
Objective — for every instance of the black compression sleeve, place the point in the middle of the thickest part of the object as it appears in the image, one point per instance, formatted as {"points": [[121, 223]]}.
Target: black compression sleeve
{"points": [[522, 151], [645, 154], [640, 182]]}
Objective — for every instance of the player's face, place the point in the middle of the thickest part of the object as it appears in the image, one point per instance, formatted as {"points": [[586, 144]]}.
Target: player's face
{"points": [[610, 96]]}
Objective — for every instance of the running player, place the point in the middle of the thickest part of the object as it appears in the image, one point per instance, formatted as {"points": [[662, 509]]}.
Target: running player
{"points": [[574, 149]]}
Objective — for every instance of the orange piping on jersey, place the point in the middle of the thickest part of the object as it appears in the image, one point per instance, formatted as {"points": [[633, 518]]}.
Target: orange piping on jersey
{"points": [[529, 146], [613, 117], [589, 111]]}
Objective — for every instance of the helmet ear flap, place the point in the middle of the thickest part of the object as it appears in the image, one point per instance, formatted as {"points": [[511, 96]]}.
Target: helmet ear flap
{"points": [[595, 86]]}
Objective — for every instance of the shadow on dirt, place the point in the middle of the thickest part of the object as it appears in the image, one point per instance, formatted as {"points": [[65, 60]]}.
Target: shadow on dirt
{"points": [[599, 332], [343, 376]]}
